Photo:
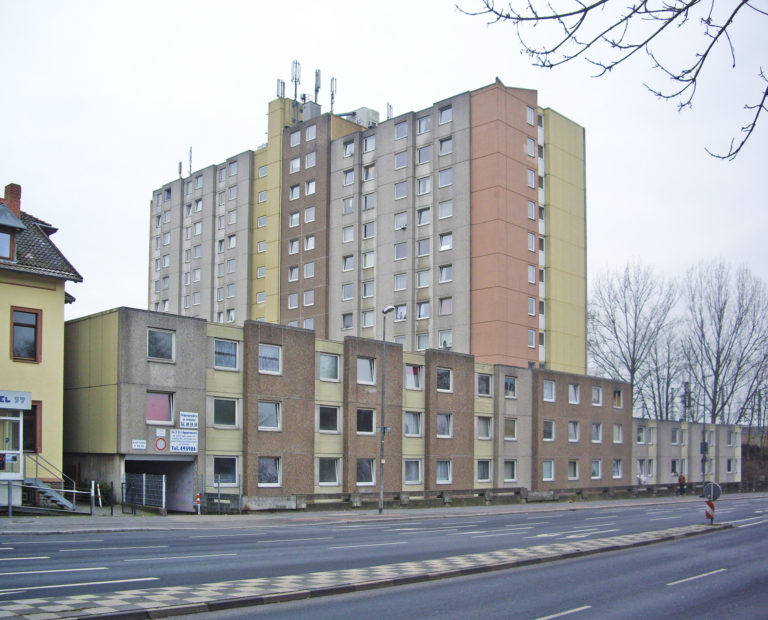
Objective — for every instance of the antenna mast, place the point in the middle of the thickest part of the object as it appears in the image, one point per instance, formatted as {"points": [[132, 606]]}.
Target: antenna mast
{"points": [[296, 79], [333, 92], [317, 83]]}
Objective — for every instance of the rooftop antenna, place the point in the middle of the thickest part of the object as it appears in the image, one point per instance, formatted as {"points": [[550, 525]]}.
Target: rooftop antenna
{"points": [[317, 83], [280, 89], [179, 169], [389, 111], [296, 79], [333, 92], [190, 161]]}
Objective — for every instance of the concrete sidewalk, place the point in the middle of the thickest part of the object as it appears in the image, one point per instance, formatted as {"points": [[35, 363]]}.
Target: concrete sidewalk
{"points": [[103, 522]]}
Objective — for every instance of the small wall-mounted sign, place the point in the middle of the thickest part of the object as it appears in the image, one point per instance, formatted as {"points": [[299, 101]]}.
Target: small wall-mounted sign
{"points": [[187, 419], [138, 444]]}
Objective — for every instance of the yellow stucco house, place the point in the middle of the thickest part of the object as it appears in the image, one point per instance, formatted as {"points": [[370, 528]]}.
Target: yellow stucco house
{"points": [[32, 276]]}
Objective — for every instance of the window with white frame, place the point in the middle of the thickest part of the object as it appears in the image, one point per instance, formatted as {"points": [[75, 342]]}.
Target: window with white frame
{"points": [[349, 148], [262, 197], [423, 185], [618, 433], [596, 470], [294, 165], [617, 469], [423, 124], [531, 306], [401, 312], [369, 172], [293, 219], [597, 396], [328, 471], [444, 380], [412, 471], [369, 143], [573, 470], [444, 425], [368, 288], [293, 273], [270, 359], [445, 273], [531, 339], [260, 272], [309, 298], [549, 391], [401, 281], [310, 133], [422, 342], [401, 159], [366, 472], [346, 320], [347, 206], [309, 270], [269, 415], [573, 393], [224, 412], [348, 176], [327, 419], [366, 423], [510, 428], [446, 146], [294, 192], [293, 246], [347, 263], [445, 115], [548, 430], [597, 432], [445, 338], [547, 470], [401, 190], [483, 384], [368, 259], [369, 229], [531, 179], [531, 274], [424, 154], [309, 242], [510, 470], [443, 471], [422, 310], [445, 177], [573, 431], [483, 470], [412, 424], [225, 470], [510, 386], [530, 116], [159, 408], [413, 377], [423, 278], [483, 427], [310, 159], [225, 354], [446, 306], [295, 138], [401, 130], [328, 364], [309, 187], [366, 370], [445, 209], [347, 291], [618, 400], [270, 474], [293, 301], [446, 241]]}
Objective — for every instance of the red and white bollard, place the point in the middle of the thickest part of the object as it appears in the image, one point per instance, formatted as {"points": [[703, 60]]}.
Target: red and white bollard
{"points": [[197, 502], [709, 511]]}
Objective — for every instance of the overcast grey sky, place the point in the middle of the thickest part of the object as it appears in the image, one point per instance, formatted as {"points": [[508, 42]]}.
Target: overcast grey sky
{"points": [[101, 100]]}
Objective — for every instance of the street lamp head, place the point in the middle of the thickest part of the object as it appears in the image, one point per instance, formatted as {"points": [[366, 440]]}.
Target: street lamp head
{"points": [[387, 309]]}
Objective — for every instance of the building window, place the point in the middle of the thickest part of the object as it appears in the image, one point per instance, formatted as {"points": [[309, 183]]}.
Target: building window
{"points": [[367, 318], [530, 147], [349, 149], [366, 470], [484, 470], [597, 432], [423, 278], [423, 185], [347, 291], [597, 396], [401, 281], [310, 133], [413, 377], [369, 258], [510, 429], [233, 192], [346, 320], [309, 270], [27, 330], [422, 310], [309, 215], [261, 246], [531, 274], [596, 470], [423, 216], [159, 407], [327, 419], [483, 384], [412, 471], [269, 416], [309, 298], [573, 393], [641, 434], [295, 138], [547, 470], [269, 471], [618, 401], [347, 263], [309, 187], [294, 192], [675, 436], [573, 470], [422, 342], [424, 154], [225, 354], [369, 172], [444, 380], [531, 179], [369, 230], [225, 470], [366, 370], [260, 272], [293, 301], [401, 250], [530, 116], [401, 312], [618, 433], [401, 190], [445, 425], [327, 471], [573, 431], [443, 472], [531, 339], [293, 273], [261, 297], [484, 427], [510, 471], [262, 197], [446, 305], [446, 146], [369, 143], [309, 242], [401, 130], [445, 209], [294, 165], [617, 469], [446, 273], [366, 424], [446, 241], [549, 391], [224, 412], [329, 367], [445, 115], [270, 359], [548, 430], [423, 124], [369, 201], [160, 345], [445, 177], [445, 338], [310, 159], [293, 219]]}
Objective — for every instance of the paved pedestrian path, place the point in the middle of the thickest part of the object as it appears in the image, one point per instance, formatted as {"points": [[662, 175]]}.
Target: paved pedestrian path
{"points": [[170, 601]]}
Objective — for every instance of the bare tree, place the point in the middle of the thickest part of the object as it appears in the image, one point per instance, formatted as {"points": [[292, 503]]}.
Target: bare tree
{"points": [[607, 33], [628, 311], [726, 344], [659, 392]]}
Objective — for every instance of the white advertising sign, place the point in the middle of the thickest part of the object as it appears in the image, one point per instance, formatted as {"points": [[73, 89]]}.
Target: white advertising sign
{"points": [[187, 419], [15, 400], [183, 440]]}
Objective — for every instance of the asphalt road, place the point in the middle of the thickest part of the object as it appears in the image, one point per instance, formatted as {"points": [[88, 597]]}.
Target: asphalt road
{"points": [[722, 575], [63, 564]]}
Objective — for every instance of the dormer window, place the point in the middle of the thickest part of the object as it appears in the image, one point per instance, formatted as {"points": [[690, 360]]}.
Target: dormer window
{"points": [[6, 244]]}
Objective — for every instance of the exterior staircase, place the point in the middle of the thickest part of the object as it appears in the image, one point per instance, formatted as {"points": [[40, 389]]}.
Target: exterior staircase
{"points": [[49, 493]]}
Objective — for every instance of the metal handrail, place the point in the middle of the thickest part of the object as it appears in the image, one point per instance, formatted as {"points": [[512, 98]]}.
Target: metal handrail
{"points": [[51, 470]]}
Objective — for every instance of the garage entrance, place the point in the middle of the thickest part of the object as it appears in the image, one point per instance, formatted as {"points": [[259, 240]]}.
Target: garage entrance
{"points": [[180, 477]]}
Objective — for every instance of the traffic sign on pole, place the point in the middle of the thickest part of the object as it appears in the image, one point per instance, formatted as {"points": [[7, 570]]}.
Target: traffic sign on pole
{"points": [[709, 511]]}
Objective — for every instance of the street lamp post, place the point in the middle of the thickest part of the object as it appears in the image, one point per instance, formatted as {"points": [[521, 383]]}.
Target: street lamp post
{"points": [[383, 427]]}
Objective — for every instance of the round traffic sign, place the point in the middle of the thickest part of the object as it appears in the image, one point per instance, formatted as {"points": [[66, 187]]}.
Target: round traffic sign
{"points": [[712, 491], [160, 443]]}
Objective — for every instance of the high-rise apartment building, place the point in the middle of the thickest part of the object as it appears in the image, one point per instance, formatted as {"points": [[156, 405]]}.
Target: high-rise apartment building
{"points": [[469, 217]]}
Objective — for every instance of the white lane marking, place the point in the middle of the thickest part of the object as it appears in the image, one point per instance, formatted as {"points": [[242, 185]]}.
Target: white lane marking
{"points": [[371, 545], [745, 519], [178, 557], [605, 517], [507, 533], [226, 535], [566, 613], [112, 548], [77, 585], [30, 557], [585, 534], [666, 518], [751, 524], [713, 572], [285, 540], [538, 522], [49, 542], [55, 570]]}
